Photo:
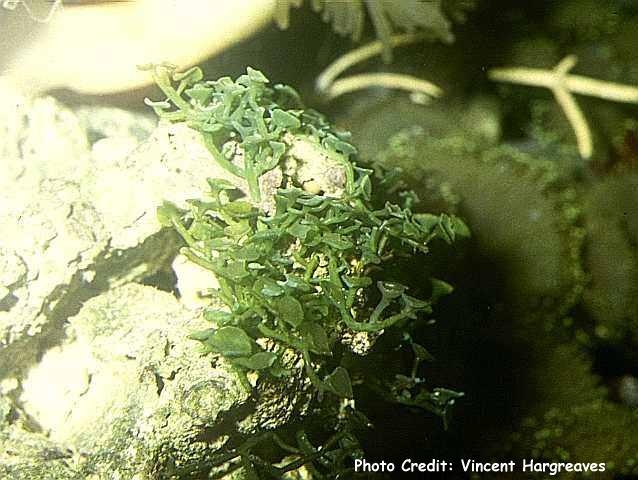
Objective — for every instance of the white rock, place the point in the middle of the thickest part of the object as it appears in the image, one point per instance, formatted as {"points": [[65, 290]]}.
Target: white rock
{"points": [[128, 386]]}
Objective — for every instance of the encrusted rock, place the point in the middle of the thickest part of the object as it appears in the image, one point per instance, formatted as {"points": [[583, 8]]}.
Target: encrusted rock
{"points": [[129, 391], [77, 204], [28, 456], [97, 377]]}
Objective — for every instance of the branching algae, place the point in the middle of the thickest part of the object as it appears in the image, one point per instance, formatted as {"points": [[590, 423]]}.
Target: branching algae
{"points": [[303, 292]]}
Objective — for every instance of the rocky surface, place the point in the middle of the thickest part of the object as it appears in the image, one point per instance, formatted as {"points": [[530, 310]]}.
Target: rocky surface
{"points": [[98, 378], [77, 207], [27, 456], [128, 390], [91, 395]]}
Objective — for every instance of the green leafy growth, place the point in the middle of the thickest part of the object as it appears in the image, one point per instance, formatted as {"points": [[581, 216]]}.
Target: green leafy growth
{"points": [[304, 275], [244, 113], [311, 273]]}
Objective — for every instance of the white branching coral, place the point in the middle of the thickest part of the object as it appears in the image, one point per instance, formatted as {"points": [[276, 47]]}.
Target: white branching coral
{"points": [[330, 87], [564, 85]]}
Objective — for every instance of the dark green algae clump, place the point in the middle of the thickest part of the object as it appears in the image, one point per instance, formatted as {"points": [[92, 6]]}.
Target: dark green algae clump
{"points": [[304, 292], [324, 289]]}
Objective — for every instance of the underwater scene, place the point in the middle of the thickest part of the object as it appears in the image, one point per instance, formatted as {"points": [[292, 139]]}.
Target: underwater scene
{"points": [[318, 240]]}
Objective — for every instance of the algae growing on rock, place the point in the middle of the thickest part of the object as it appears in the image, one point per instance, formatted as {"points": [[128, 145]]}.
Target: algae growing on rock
{"points": [[370, 232], [300, 270]]}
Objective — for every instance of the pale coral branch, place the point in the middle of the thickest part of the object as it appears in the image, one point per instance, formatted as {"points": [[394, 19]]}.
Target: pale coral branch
{"points": [[574, 114], [574, 83], [565, 65], [576, 119], [358, 55], [564, 85], [328, 85], [384, 80]]}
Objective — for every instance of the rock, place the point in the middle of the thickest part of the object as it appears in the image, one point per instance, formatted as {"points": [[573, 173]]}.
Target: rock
{"points": [[97, 377], [193, 282], [27, 456], [79, 217], [107, 122], [315, 168], [49, 233], [129, 391]]}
